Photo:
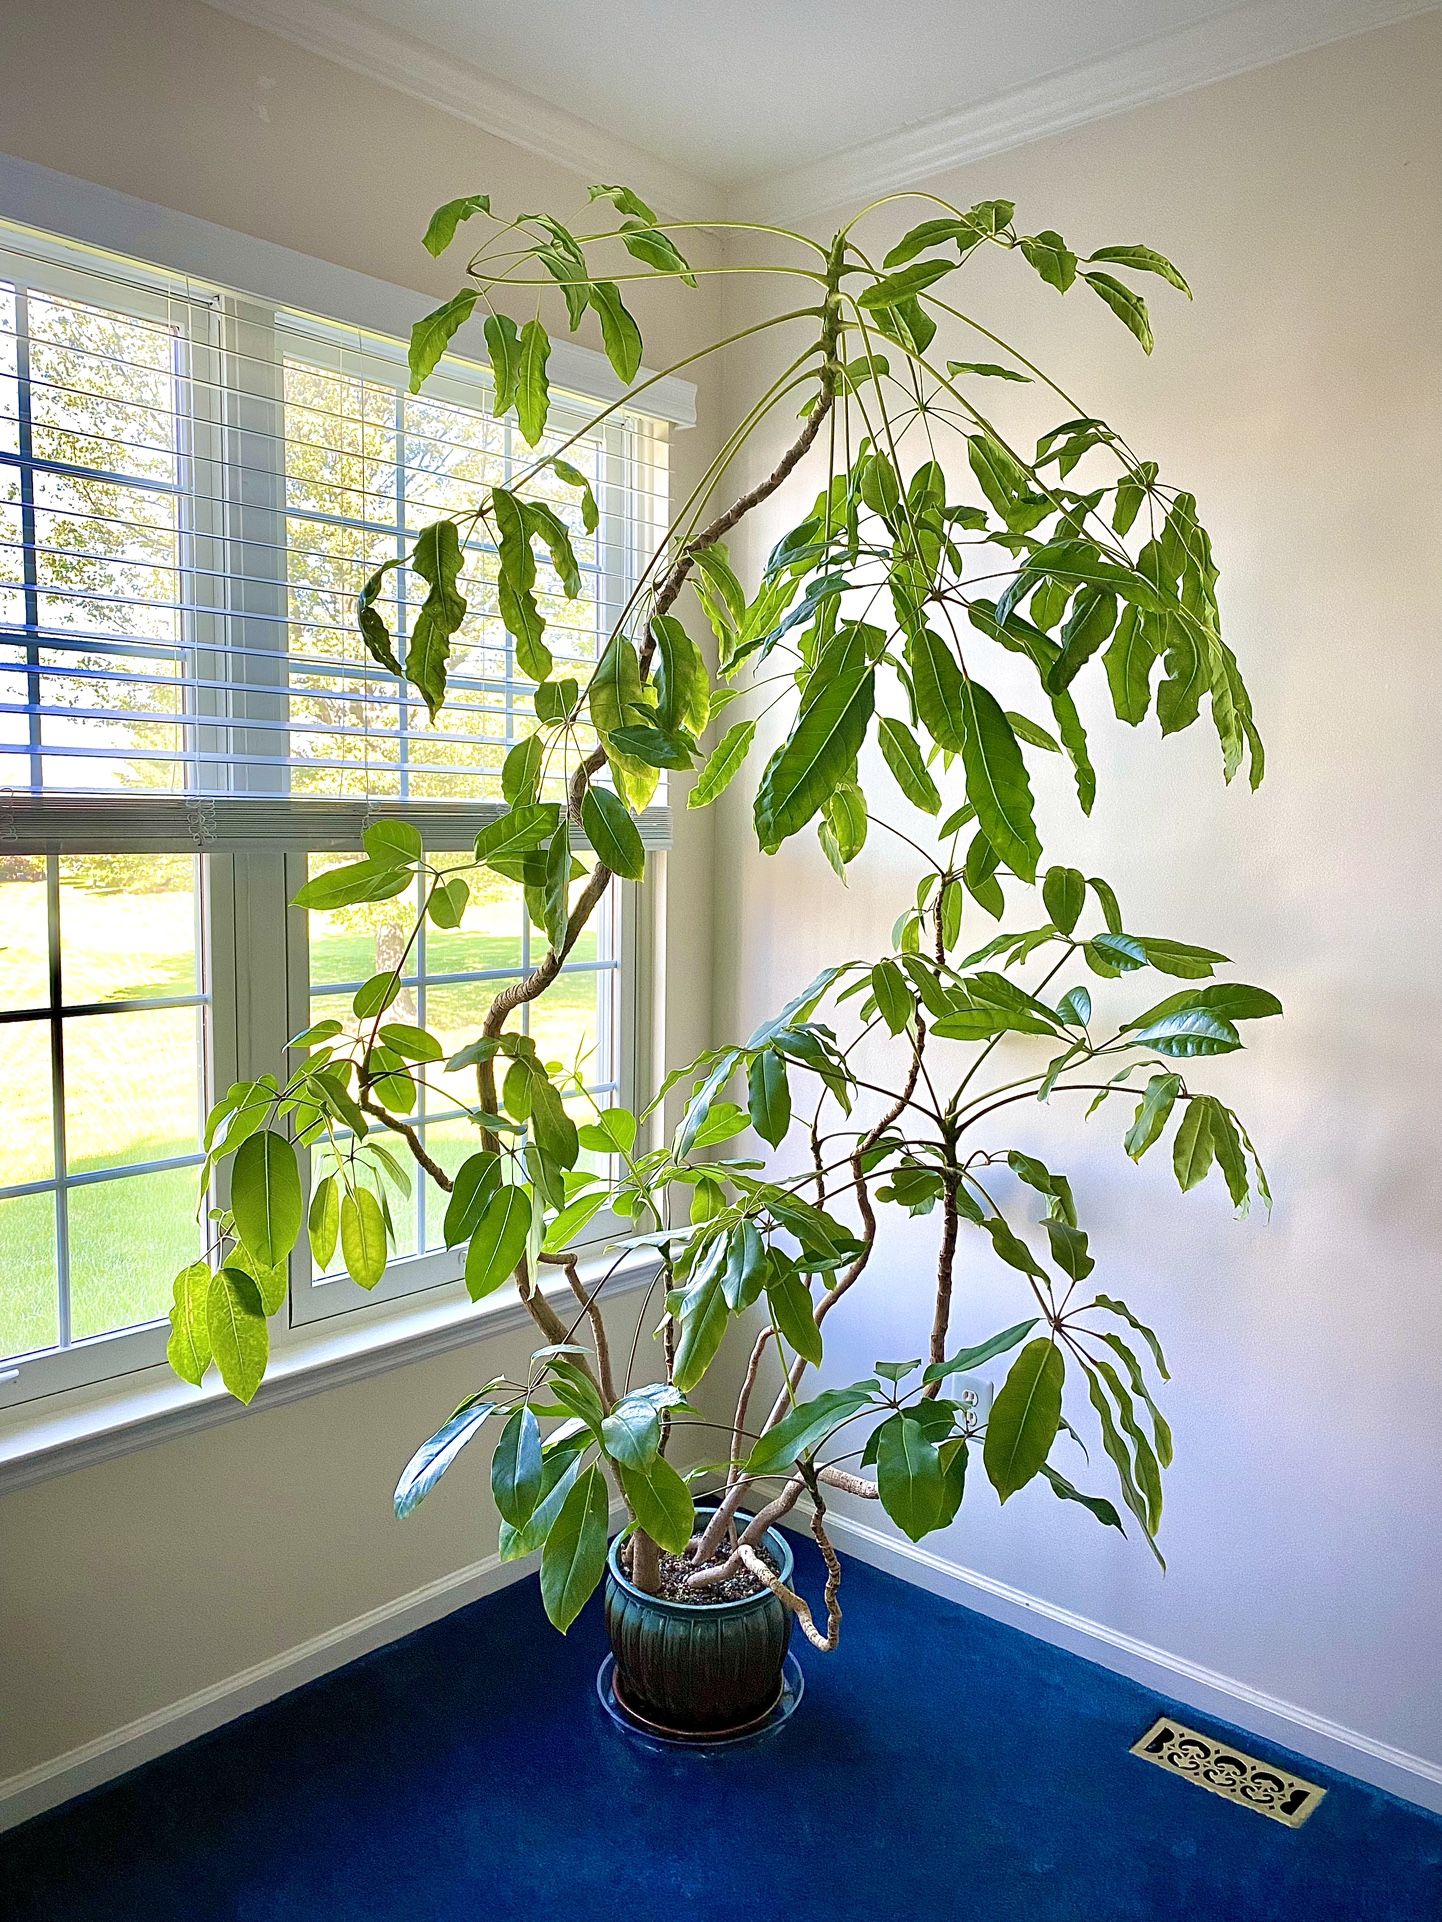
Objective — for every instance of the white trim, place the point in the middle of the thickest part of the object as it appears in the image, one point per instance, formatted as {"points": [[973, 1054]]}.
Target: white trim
{"points": [[78, 1427], [472, 94], [1251, 35], [92, 1764], [58, 203], [1412, 1777]]}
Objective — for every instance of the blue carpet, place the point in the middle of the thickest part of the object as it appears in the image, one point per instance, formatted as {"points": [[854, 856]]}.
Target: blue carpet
{"points": [[940, 1766]]}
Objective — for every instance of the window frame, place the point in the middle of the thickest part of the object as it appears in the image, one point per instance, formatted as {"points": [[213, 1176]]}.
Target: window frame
{"points": [[253, 960]]}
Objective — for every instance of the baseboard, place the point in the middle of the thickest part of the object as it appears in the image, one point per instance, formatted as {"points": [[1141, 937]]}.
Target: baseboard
{"points": [[97, 1762], [1411, 1777]]}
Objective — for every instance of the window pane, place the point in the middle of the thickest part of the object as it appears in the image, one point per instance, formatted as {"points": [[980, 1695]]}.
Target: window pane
{"points": [[492, 933], [29, 1301], [24, 966], [128, 1240], [564, 1026], [132, 1087], [27, 1134], [128, 927]]}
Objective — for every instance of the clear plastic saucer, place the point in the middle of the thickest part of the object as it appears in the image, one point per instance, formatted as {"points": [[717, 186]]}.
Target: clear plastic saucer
{"points": [[651, 1735]]}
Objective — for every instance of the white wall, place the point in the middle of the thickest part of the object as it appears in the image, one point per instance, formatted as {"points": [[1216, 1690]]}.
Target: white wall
{"points": [[129, 1585], [1299, 398]]}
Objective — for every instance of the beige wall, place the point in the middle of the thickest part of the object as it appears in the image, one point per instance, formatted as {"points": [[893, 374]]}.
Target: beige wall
{"points": [[1299, 398], [127, 1586]]}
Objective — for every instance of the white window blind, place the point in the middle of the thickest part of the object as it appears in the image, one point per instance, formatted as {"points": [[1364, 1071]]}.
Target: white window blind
{"points": [[194, 486]]}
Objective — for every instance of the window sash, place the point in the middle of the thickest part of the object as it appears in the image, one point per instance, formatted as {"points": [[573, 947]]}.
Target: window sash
{"points": [[256, 834]]}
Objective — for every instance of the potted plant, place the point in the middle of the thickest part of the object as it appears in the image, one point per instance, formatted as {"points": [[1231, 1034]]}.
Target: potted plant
{"points": [[933, 542]]}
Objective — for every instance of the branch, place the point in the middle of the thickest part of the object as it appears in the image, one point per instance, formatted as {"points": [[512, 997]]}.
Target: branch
{"points": [[799, 1608], [413, 1141]]}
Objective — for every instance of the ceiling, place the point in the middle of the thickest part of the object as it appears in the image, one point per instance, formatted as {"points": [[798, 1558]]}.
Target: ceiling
{"points": [[760, 104]]}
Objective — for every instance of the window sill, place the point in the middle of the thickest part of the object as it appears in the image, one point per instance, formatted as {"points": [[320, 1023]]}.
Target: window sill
{"points": [[79, 1427]]}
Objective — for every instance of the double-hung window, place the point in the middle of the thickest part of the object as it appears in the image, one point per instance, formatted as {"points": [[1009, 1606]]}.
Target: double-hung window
{"points": [[194, 485]]}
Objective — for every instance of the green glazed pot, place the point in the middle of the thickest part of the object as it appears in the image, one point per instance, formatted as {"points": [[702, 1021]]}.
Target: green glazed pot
{"points": [[696, 1668]]}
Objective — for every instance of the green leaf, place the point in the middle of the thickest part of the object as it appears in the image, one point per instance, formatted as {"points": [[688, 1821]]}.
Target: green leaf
{"points": [[658, 250], [556, 888], [620, 335], [434, 1457], [891, 288], [503, 344], [367, 880], [769, 1096], [1182, 1037], [631, 1433], [1097, 1504], [432, 333], [805, 1427], [612, 833], [1227, 1144], [1116, 1307], [936, 679], [1052, 258], [612, 1132], [573, 477], [987, 368], [323, 1222], [703, 1317], [476, 1180], [909, 1476], [661, 1503], [574, 1558], [265, 1197], [967, 1359], [1176, 957], [559, 1470], [1027, 730], [523, 830], [447, 903], [1087, 628], [683, 690], [363, 1237], [1145, 260], [624, 201], [1024, 1417], [1129, 661], [996, 781], [437, 559], [498, 1241], [533, 390], [1128, 307], [1152, 1112], [893, 997], [652, 746], [239, 1338], [1064, 892], [722, 764], [1233, 1000], [516, 1468], [830, 726], [445, 220], [1192, 1149], [188, 1350], [793, 1311], [902, 753]]}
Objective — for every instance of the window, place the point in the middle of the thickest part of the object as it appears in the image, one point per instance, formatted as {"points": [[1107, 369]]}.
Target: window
{"points": [[193, 488]]}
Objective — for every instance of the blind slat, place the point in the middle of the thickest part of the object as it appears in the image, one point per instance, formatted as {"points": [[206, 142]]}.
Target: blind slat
{"points": [[228, 475]]}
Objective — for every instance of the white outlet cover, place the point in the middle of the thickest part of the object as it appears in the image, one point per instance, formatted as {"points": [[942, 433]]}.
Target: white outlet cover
{"points": [[973, 1393]]}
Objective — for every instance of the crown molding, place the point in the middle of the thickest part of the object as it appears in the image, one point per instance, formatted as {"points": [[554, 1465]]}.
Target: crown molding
{"points": [[461, 89], [1254, 34]]}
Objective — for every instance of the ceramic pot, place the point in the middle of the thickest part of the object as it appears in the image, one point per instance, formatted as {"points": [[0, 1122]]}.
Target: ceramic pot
{"points": [[694, 1668]]}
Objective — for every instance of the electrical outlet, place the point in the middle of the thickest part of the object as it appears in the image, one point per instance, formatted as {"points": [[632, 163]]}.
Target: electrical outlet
{"points": [[972, 1394]]}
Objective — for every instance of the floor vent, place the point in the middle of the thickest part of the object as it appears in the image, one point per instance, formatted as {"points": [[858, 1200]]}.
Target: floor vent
{"points": [[1228, 1772]]}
